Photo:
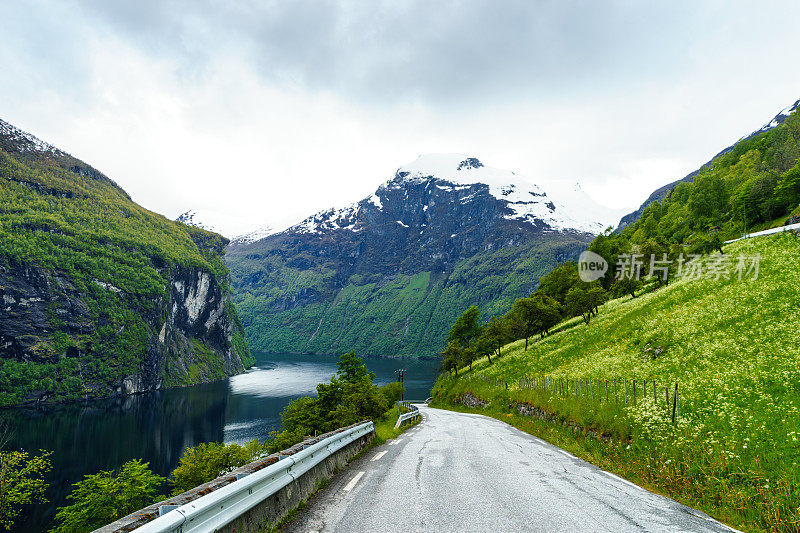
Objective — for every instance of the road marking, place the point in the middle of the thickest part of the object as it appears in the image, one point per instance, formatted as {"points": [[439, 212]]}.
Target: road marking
{"points": [[378, 456], [353, 482]]}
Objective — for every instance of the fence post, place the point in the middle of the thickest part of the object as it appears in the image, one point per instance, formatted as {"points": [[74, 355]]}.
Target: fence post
{"points": [[616, 396], [626, 391], [674, 403], [606, 390]]}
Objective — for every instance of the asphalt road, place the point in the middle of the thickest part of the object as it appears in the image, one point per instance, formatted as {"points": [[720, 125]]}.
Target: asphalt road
{"points": [[464, 472]]}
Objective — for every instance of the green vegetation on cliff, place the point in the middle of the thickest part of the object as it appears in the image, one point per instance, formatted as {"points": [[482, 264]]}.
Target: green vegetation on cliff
{"points": [[85, 274], [382, 314]]}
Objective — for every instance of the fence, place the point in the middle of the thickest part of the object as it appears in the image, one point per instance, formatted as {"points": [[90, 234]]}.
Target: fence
{"points": [[223, 506], [620, 391], [411, 414]]}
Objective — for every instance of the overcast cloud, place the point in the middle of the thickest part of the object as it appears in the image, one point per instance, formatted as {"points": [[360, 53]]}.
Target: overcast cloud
{"points": [[258, 112]]}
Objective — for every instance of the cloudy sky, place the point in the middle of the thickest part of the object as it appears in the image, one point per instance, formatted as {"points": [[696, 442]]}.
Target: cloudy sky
{"points": [[257, 112]]}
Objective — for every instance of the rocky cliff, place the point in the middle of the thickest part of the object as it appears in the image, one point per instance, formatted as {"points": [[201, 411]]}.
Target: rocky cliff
{"points": [[99, 296]]}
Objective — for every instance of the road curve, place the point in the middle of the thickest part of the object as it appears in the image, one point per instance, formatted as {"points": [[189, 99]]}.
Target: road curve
{"points": [[464, 472]]}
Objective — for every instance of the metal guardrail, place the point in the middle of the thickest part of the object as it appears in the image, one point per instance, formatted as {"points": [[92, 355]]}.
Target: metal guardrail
{"points": [[223, 506], [781, 229], [413, 413]]}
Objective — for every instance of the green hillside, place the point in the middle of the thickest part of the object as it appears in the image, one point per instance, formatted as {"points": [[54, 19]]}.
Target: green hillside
{"points": [[381, 313], [732, 345], [86, 276]]}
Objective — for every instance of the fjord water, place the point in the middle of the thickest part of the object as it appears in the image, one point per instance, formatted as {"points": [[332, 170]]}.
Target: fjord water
{"points": [[157, 427]]}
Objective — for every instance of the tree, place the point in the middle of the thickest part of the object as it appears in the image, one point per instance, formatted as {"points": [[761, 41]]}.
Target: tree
{"points": [[209, 460], [788, 188], [106, 496], [558, 281], [468, 356], [596, 296], [466, 327], [352, 369], [577, 302], [549, 311], [21, 483], [627, 285], [451, 357], [496, 334], [483, 347], [524, 314]]}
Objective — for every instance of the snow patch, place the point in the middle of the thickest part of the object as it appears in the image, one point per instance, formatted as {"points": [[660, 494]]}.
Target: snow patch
{"points": [[572, 209], [25, 142]]}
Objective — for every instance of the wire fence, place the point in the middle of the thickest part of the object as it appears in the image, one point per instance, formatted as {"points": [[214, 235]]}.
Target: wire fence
{"points": [[619, 391]]}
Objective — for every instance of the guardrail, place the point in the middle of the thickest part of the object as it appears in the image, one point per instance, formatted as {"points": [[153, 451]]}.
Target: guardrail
{"points": [[781, 229], [223, 506], [413, 413]]}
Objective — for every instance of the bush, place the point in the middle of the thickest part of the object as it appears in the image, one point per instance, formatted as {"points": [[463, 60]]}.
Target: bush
{"points": [[21, 483], [393, 392], [106, 496], [210, 460]]}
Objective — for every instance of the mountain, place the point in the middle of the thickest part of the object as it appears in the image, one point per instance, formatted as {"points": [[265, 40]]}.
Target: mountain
{"points": [[192, 218], [662, 192], [387, 275], [100, 296]]}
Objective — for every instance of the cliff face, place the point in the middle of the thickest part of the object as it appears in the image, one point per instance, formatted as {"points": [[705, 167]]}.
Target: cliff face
{"points": [[99, 297]]}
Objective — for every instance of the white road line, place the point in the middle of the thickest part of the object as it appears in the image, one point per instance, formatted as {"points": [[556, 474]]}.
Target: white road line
{"points": [[353, 482], [378, 456]]}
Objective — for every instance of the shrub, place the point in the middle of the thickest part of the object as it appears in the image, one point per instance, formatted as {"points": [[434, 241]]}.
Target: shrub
{"points": [[106, 496]]}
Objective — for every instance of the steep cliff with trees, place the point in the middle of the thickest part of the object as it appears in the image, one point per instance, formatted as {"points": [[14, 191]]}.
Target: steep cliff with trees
{"points": [[99, 295]]}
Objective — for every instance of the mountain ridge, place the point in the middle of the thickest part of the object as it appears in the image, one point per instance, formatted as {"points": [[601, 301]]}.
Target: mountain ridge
{"points": [[385, 274], [660, 193]]}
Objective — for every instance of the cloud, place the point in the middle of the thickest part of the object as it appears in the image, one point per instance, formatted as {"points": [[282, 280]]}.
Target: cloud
{"points": [[265, 111]]}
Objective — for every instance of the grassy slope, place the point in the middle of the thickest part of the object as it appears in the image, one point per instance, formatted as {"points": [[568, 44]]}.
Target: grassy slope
{"points": [[86, 228], [403, 314], [734, 347]]}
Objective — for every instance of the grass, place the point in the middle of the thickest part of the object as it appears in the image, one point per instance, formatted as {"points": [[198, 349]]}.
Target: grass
{"points": [[384, 427], [733, 347]]}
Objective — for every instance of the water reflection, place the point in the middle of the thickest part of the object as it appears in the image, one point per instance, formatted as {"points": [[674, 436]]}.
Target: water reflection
{"points": [[157, 427]]}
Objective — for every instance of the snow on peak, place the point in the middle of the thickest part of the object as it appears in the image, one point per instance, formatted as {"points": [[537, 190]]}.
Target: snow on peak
{"points": [[25, 142], [191, 218], [569, 209], [776, 121], [333, 219], [256, 235]]}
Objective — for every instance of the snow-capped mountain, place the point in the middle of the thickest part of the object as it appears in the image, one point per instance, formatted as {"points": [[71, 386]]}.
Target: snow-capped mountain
{"points": [[388, 274], [520, 200]]}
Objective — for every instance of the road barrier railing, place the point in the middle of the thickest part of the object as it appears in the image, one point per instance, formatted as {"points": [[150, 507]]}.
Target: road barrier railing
{"points": [[410, 415], [223, 506]]}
